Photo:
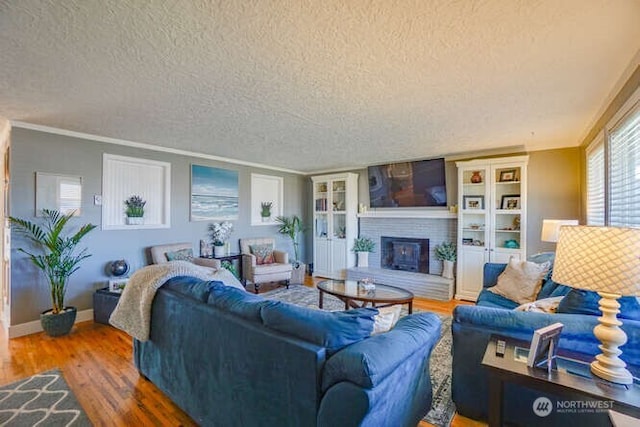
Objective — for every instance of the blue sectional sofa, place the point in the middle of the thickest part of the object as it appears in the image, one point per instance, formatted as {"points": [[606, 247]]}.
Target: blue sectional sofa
{"points": [[231, 358], [473, 326]]}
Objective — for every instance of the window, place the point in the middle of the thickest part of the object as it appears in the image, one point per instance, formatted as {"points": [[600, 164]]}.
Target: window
{"points": [[595, 183], [613, 170], [624, 174]]}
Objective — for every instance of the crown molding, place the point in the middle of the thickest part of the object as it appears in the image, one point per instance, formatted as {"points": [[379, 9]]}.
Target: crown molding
{"points": [[146, 146]]}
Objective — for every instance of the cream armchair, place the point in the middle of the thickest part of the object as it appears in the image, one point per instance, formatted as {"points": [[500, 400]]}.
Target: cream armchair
{"points": [[159, 255], [279, 271]]}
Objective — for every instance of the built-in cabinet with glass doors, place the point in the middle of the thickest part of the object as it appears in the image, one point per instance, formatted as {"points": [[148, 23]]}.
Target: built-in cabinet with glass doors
{"points": [[335, 223], [492, 217]]}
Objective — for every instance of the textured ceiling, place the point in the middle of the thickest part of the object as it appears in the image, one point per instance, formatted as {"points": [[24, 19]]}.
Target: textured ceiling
{"points": [[317, 85]]}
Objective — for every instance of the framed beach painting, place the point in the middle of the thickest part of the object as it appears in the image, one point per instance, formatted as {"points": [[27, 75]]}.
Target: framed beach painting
{"points": [[214, 193]]}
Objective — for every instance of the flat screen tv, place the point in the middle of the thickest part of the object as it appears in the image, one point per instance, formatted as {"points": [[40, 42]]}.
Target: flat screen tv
{"points": [[410, 184]]}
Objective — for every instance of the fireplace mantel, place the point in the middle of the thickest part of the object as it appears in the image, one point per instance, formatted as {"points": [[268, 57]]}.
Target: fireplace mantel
{"points": [[409, 213]]}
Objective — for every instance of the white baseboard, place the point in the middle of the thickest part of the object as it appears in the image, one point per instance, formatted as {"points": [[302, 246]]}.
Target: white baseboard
{"points": [[34, 327]]}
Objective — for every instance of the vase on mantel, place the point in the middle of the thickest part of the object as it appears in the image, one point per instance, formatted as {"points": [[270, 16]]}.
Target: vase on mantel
{"points": [[363, 259], [476, 178], [447, 269]]}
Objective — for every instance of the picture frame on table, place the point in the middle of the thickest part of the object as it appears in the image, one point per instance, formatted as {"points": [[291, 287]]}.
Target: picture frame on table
{"points": [[507, 175], [510, 201], [206, 249], [117, 285], [544, 346], [473, 202]]}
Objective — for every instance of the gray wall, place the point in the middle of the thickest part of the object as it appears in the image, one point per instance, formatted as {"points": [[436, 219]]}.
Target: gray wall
{"points": [[33, 151], [554, 192]]}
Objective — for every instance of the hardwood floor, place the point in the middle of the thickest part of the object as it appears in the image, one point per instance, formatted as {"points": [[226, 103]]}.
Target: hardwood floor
{"points": [[96, 361]]}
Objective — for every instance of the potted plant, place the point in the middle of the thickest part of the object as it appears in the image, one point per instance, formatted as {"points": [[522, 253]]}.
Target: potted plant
{"points": [[135, 210], [291, 227], [58, 260], [446, 252], [265, 210], [362, 246], [219, 232]]}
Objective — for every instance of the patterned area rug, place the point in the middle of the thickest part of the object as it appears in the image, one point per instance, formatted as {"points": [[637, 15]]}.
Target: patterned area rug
{"points": [[443, 408], [43, 399]]}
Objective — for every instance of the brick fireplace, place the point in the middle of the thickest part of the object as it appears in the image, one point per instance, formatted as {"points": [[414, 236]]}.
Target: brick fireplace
{"points": [[406, 246], [406, 254]]}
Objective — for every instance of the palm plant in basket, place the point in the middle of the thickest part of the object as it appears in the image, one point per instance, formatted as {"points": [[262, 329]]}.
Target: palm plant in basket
{"points": [[58, 259]]}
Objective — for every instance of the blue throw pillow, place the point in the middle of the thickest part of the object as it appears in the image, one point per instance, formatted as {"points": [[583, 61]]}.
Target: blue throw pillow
{"points": [[190, 286], [552, 289], [548, 286], [489, 299], [237, 301], [579, 301], [333, 330]]}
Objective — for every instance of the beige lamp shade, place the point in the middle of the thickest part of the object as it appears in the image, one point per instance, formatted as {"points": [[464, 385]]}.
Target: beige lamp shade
{"points": [[601, 259], [551, 228]]}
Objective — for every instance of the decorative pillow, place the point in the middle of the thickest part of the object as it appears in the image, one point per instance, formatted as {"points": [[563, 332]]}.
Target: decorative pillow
{"points": [[331, 329], [181, 255], [386, 319], [579, 301], [545, 305], [263, 253], [520, 281]]}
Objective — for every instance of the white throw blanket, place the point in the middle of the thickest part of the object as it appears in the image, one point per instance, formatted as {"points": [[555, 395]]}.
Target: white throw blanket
{"points": [[133, 312]]}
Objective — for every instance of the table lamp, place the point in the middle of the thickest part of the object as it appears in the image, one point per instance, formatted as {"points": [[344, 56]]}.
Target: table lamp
{"points": [[551, 228], [605, 260]]}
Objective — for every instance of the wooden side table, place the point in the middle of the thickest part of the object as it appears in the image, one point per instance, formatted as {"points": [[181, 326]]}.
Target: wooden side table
{"points": [[231, 257], [572, 382]]}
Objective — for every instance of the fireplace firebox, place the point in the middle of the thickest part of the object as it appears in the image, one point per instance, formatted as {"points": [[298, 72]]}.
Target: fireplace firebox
{"points": [[407, 254]]}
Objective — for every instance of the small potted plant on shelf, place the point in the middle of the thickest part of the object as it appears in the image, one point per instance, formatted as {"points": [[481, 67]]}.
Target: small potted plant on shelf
{"points": [[362, 246], [135, 210], [265, 211], [446, 252], [58, 260], [219, 232], [292, 227]]}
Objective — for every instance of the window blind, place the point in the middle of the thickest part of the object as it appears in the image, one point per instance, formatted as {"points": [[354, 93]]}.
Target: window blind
{"points": [[596, 183], [624, 201]]}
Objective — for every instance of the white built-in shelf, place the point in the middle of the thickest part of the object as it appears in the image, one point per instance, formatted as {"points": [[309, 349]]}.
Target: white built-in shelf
{"points": [[473, 211], [409, 213]]}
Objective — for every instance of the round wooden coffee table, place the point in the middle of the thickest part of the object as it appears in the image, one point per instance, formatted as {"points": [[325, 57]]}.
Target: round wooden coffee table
{"points": [[349, 291]]}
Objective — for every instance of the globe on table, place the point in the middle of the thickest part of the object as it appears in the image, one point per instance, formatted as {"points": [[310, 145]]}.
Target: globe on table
{"points": [[118, 268]]}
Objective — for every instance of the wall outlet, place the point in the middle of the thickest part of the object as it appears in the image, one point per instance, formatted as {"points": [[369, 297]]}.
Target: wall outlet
{"points": [[97, 199]]}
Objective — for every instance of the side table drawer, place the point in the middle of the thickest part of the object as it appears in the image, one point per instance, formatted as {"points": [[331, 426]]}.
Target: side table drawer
{"points": [[104, 302]]}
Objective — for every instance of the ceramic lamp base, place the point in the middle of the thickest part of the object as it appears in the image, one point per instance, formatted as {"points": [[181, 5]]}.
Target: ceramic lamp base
{"points": [[607, 364]]}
